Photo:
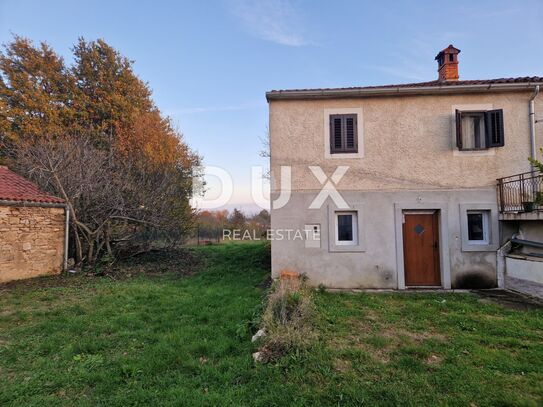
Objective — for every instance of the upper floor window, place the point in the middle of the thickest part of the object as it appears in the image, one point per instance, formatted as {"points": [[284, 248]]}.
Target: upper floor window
{"points": [[479, 130], [343, 133]]}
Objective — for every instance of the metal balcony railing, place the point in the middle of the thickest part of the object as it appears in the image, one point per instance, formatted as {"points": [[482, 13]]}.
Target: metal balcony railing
{"points": [[521, 192]]}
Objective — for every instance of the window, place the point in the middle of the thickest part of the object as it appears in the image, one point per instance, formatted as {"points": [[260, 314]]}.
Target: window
{"points": [[343, 133], [346, 228], [479, 130], [478, 227]]}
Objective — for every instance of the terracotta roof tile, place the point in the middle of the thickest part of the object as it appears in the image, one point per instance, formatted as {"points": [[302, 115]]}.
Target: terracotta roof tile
{"points": [[523, 79], [13, 187]]}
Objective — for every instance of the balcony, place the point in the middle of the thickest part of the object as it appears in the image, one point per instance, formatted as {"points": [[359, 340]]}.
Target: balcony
{"points": [[520, 197]]}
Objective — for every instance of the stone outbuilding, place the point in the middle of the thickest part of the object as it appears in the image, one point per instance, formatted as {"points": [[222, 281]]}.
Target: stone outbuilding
{"points": [[32, 229]]}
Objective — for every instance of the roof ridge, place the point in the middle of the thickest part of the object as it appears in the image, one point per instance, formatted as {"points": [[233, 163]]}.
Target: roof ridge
{"points": [[518, 79]]}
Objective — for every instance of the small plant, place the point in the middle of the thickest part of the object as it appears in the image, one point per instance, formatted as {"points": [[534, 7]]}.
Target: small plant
{"points": [[528, 202], [287, 319], [538, 165]]}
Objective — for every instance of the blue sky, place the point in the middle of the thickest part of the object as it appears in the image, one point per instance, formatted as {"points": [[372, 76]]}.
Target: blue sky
{"points": [[210, 63]]}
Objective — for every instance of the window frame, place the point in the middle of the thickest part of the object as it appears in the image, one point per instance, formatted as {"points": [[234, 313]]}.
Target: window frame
{"points": [[491, 128], [486, 224], [327, 112], [492, 243], [354, 226], [343, 117], [330, 228], [482, 134]]}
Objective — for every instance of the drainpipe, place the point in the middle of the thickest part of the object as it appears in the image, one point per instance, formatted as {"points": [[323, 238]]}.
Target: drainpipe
{"points": [[66, 237], [532, 121]]}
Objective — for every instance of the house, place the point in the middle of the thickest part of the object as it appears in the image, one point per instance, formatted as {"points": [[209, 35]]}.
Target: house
{"points": [[396, 186], [33, 227]]}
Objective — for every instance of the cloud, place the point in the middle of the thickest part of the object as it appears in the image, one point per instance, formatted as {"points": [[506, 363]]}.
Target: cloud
{"points": [[271, 20]]}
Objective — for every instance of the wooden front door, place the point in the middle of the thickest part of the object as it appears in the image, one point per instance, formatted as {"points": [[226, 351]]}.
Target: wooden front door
{"points": [[421, 248]]}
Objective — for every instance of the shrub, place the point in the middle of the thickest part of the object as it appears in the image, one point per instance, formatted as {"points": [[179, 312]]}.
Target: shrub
{"points": [[287, 319]]}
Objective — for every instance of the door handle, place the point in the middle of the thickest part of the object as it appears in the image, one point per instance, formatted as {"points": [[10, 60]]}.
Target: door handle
{"points": [[435, 245]]}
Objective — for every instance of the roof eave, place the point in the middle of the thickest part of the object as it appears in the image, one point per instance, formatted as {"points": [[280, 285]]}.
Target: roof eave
{"points": [[395, 91]]}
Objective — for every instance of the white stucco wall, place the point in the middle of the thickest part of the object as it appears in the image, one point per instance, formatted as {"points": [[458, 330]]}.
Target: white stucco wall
{"points": [[525, 269], [408, 142], [378, 265], [409, 160]]}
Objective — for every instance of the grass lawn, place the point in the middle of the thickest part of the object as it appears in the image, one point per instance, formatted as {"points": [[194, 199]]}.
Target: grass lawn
{"points": [[162, 339]]}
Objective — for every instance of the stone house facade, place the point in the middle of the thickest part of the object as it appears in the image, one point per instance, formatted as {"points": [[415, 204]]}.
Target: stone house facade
{"points": [[32, 229], [409, 178]]}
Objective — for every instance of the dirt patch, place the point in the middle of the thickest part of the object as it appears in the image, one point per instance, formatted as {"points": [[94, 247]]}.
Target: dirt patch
{"points": [[342, 365], [509, 299], [417, 337], [178, 262], [59, 280], [434, 360], [381, 341]]}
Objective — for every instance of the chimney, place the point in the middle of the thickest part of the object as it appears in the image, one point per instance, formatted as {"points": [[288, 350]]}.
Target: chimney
{"points": [[447, 62]]}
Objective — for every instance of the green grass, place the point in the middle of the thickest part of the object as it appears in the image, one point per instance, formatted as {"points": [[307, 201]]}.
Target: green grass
{"points": [[164, 340]]}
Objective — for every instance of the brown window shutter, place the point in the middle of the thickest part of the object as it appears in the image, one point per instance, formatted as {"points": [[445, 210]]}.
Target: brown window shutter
{"points": [[350, 133], [458, 115], [343, 133], [336, 133], [494, 133]]}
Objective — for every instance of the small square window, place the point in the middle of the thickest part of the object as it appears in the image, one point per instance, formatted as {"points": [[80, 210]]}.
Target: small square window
{"points": [[478, 227], [346, 228]]}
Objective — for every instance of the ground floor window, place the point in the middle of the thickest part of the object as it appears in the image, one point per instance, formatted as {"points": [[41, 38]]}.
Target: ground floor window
{"points": [[346, 228], [478, 227]]}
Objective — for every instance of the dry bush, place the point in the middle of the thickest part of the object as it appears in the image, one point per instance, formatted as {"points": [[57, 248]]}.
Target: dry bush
{"points": [[117, 204], [288, 319]]}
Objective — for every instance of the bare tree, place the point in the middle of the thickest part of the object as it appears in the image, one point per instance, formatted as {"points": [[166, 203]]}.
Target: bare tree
{"points": [[265, 152], [113, 199]]}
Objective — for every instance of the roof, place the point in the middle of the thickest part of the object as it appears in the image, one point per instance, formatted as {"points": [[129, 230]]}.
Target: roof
{"points": [[13, 187], [431, 87]]}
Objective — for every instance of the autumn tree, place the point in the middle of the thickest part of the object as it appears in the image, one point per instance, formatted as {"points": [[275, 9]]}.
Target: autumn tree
{"points": [[91, 134], [110, 96], [36, 91]]}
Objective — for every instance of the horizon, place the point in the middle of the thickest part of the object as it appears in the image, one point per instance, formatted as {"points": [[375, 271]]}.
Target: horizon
{"points": [[211, 80]]}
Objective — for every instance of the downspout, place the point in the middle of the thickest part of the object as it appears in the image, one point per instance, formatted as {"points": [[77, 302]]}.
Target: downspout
{"points": [[66, 237], [532, 122]]}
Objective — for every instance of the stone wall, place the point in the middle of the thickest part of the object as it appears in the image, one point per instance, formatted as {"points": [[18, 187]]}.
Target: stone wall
{"points": [[31, 241]]}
